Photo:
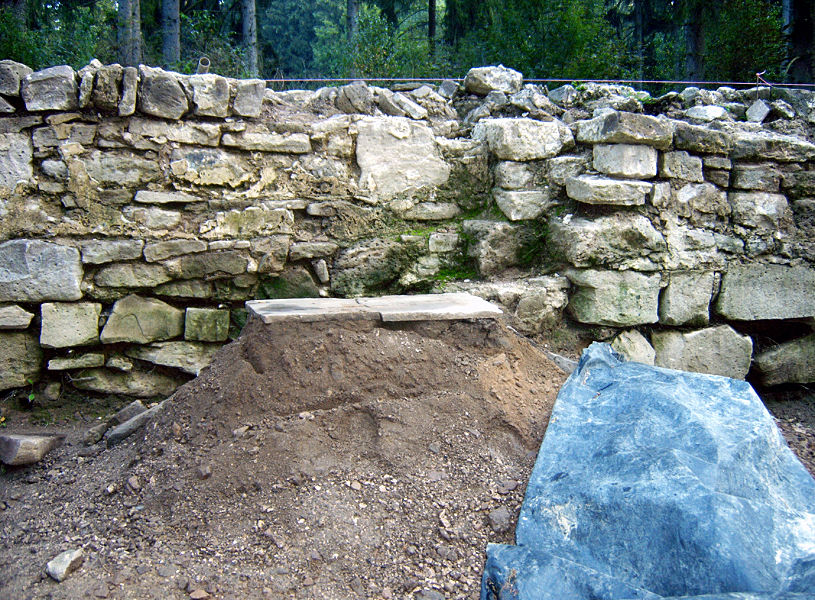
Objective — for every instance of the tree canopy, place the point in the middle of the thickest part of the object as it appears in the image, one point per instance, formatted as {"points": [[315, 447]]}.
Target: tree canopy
{"points": [[695, 40]]}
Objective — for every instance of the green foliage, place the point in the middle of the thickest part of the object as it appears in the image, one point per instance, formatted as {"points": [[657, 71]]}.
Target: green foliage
{"points": [[201, 36]]}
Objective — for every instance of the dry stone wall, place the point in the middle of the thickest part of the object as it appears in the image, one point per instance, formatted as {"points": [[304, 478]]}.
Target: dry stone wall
{"points": [[140, 208]]}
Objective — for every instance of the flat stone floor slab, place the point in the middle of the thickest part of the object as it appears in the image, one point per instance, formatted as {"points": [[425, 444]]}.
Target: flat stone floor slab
{"points": [[429, 307]]}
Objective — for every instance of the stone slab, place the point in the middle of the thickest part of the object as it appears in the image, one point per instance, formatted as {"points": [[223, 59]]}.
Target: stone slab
{"points": [[14, 317], [431, 307], [19, 449], [753, 291], [33, 271]]}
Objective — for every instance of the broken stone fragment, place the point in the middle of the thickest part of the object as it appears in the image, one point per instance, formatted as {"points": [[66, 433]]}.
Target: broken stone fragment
{"points": [[64, 564], [483, 80], [54, 88], [20, 449]]}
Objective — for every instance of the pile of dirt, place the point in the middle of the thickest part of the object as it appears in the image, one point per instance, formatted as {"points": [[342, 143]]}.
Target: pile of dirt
{"points": [[311, 460]]}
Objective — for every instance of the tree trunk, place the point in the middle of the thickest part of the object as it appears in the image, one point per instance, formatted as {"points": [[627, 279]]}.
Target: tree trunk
{"points": [[431, 26], [639, 37], [171, 32], [694, 44], [352, 20], [250, 37], [129, 32]]}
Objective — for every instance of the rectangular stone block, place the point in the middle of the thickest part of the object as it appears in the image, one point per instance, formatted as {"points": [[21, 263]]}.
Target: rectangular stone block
{"points": [[206, 324], [626, 128], [97, 252], [33, 271], [753, 292], [632, 161], [14, 317], [686, 299], [615, 298], [594, 189], [68, 325]]}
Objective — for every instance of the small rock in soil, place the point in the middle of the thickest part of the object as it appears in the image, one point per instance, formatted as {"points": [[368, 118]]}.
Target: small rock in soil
{"points": [[64, 564], [500, 520]]}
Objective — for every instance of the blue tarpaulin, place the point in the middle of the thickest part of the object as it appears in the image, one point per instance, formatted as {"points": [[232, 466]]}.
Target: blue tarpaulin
{"points": [[652, 483]]}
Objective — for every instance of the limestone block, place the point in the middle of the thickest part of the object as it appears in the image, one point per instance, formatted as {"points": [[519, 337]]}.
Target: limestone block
{"points": [[210, 95], [130, 83], [368, 266], [321, 270], [16, 153], [765, 145], [634, 346], [519, 205], [33, 271], [565, 95], [162, 250], [399, 105], [448, 89], [701, 198], [161, 94], [186, 289], [271, 252], [152, 217], [513, 175], [595, 189], [206, 325], [758, 111], [356, 97], [718, 162], [138, 384], [97, 252], [207, 265], [799, 185], [120, 170], [790, 362], [142, 320], [252, 221], [131, 275], [614, 127], [632, 161], [541, 303], [523, 139], [701, 139], [106, 89], [759, 210], [18, 449], [496, 245], [706, 114], [65, 325], [681, 165], [304, 250], [690, 248], [210, 166], [397, 155], [5, 107], [763, 178], [54, 88], [11, 75], [483, 80], [715, 350], [619, 240], [290, 143], [82, 361], [14, 317], [686, 298], [20, 359], [248, 97], [190, 357], [615, 298], [443, 242], [204, 134], [753, 292]]}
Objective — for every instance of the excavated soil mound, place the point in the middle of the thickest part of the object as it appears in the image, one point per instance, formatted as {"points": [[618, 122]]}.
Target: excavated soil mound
{"points": [[311, 460]]}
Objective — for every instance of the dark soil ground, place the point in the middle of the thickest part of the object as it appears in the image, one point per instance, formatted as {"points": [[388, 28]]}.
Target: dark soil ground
{"points": [[325, 460], [333, 460]]}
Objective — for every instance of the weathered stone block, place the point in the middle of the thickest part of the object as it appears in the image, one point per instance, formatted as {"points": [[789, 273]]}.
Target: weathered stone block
{"points": [[148, 197], [626, 128], [356, 97], [686, 299], [397, 155], [766, 145], [67, 325], [16, 153], [432, 211], [82, 361], [210, 95], [595, 189], [304, 250], [208, 264], [290, 143], [11, 75], [690, 248], [753, 292], [715, 350], [367, 267], [210, 166], [252, 221], [14, 317], [120, 170], [33, 271], [97, 252], [131, 275], [759, 210], [162, 250], [130, 83], [443, 242], [523, 139], [18, 449], [634, 346], [701, 139], [790, 362], [619, 240], [758, 111], [681, 165], [190, 357], [496, 245], [152, 217], [138, 384], [20, 359], [54, 88], [248, 97], [161, 94], [514, 175], [106, 89], [206, 325], [142, 320], [519, 205], [756, 177], [615, 298], [632, 161], [483, 80], [204, 134]]}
